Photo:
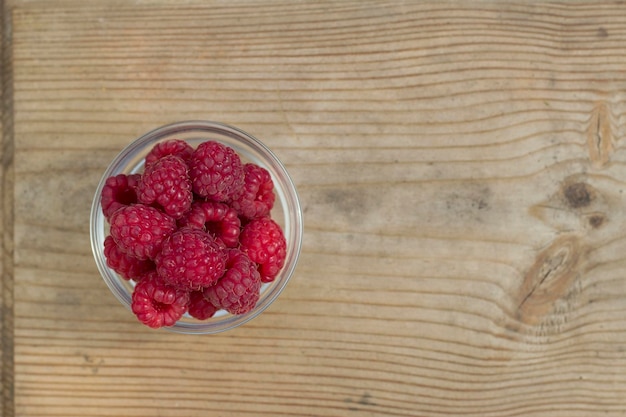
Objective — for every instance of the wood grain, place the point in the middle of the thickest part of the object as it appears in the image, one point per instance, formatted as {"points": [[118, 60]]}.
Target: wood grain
{"points": [[462, 174]]}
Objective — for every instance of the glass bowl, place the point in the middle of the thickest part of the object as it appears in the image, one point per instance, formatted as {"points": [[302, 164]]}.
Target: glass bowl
{"points": [[286, 212]]}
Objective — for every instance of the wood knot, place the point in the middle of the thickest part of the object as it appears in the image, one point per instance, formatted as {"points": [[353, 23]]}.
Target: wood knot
{"points": [[578, 195], [549, 278], [596, 220], [600, 136], [576, 205]]}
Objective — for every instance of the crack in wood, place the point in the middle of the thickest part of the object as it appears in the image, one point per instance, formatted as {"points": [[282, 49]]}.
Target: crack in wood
{"points": [[549, 278], [550, 270], [600, 138], [598, 135]]}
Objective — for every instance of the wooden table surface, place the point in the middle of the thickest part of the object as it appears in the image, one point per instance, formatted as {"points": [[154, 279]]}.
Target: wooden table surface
{"points": [[461, 166]]}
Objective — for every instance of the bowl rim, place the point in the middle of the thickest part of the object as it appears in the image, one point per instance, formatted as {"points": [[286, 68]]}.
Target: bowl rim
{"points": [[287, 197]]}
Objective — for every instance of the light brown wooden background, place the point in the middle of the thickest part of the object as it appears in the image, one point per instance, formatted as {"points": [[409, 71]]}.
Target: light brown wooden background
{"points": [[462, 172]]}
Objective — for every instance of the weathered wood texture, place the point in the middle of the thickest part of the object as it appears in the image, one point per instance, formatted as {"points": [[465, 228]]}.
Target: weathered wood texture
{"points": [[462, 172], [6, 285]]}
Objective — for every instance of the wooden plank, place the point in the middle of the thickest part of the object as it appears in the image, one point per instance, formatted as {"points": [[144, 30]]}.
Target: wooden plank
{"points": [[3, 316], [6, 215], [462, 175]]}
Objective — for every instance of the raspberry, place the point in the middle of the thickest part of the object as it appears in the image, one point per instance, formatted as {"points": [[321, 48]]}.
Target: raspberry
{"points": [[263, 241], [217, 219], [175, 147], [166, 183], [157, 304], [194, 232], [128, 267], [140, 230], [257, 196], [239, 289], [118, 191], [199, 307], [216, 171], [190, 259]]}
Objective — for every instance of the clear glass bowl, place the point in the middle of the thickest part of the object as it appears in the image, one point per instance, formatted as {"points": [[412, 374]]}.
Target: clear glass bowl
{"points": [[286, 212]]}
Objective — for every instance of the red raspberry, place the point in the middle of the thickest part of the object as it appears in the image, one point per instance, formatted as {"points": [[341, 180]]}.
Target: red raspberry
{"points": [[257, 196], [128, 267], [157, 304], [118, 191], [199, 307], [191, 259], [140, 230], [239, 289], [216, 171], [166, 183], [217, 219], [263, 241], [175, 147]]}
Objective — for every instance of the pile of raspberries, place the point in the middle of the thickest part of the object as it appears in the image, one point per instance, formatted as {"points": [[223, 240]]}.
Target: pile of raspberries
{"points": [[194, 232]]}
